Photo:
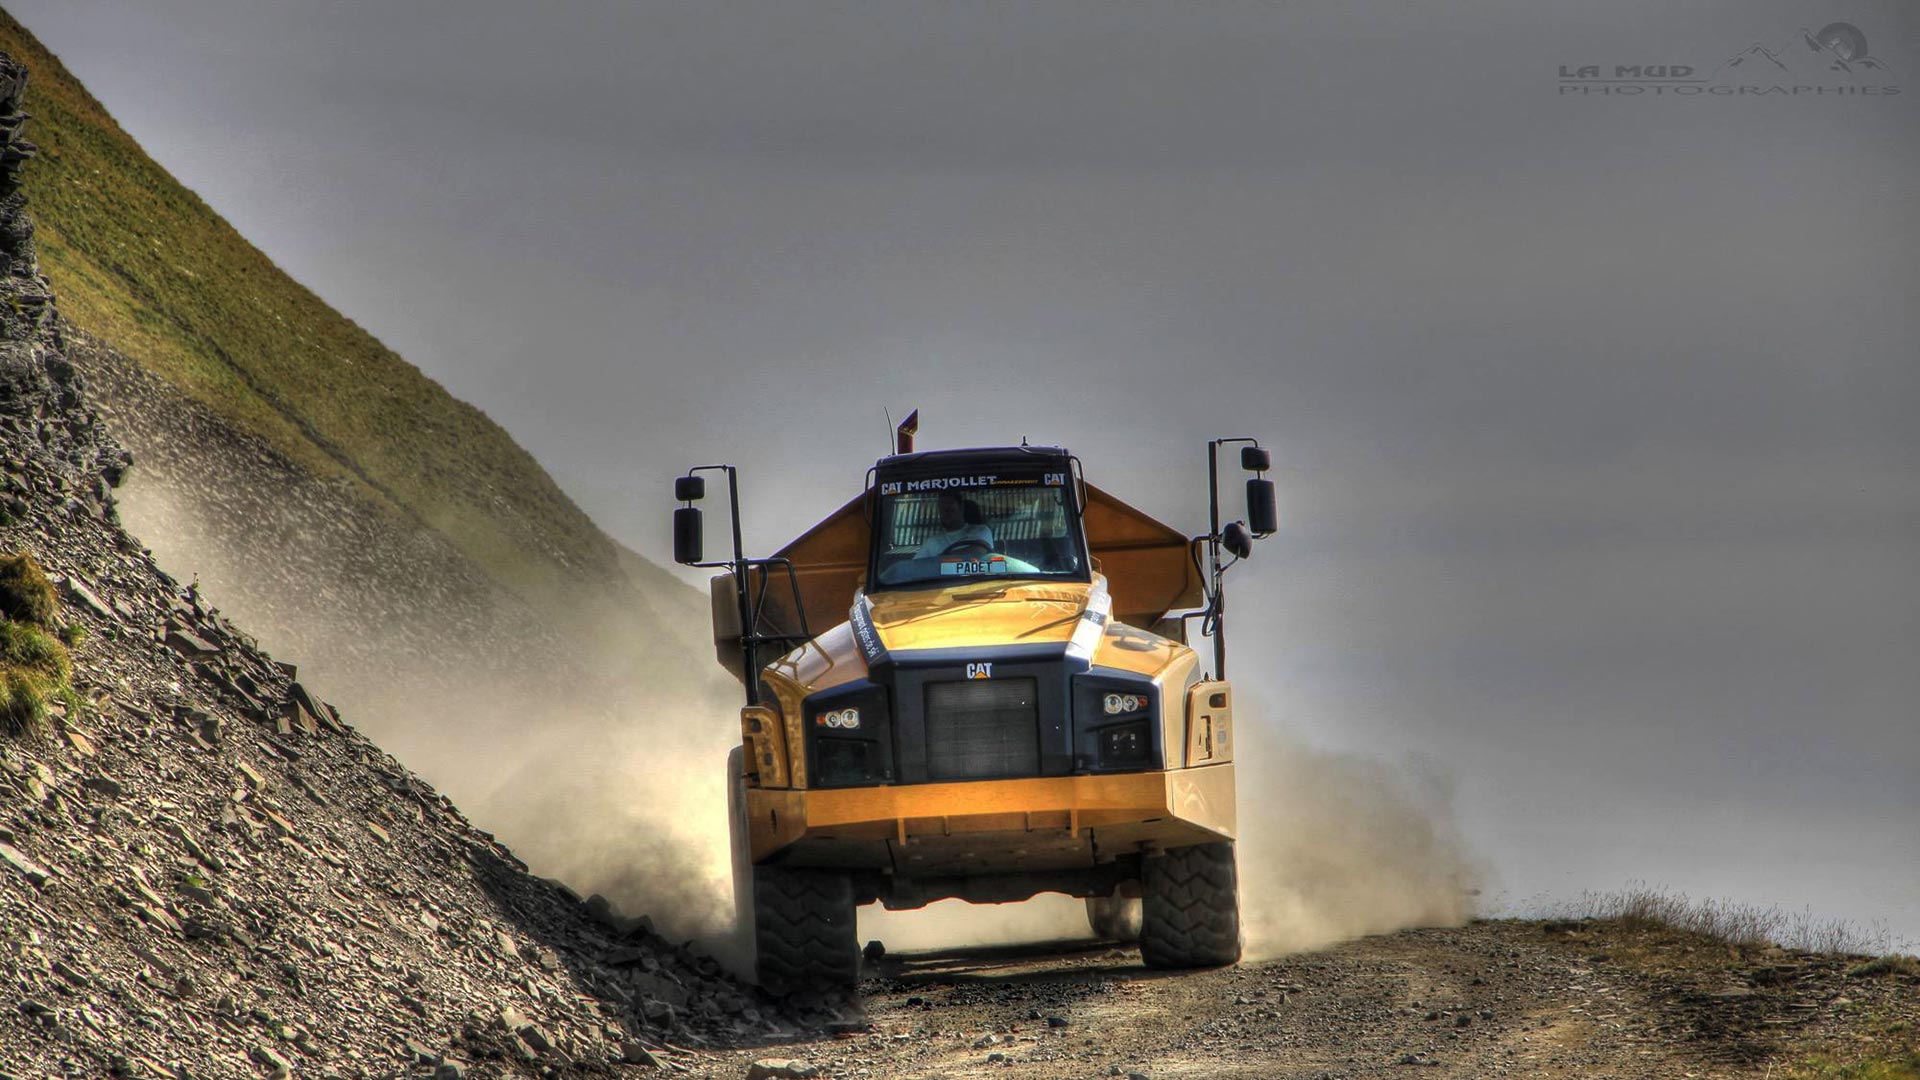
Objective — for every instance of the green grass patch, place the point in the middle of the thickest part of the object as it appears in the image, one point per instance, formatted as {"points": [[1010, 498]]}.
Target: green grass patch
{"points": [[26, 595], [1900, 1067], [24, 697], [146, 266], [1890, 964], [35, 669], [34, 649]]}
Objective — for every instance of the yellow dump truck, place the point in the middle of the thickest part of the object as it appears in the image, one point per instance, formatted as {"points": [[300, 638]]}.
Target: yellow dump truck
{"points": [[973, 681]]}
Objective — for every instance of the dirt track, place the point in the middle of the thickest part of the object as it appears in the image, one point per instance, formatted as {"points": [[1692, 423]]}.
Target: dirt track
{"points": [[1491, 999]]}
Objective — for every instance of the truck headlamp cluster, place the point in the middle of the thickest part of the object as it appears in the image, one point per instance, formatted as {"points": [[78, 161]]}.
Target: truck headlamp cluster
{"points": [[1115, 722], [849, 739], [844, 719]]}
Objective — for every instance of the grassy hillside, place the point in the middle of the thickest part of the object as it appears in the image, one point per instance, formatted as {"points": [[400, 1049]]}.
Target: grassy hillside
{"points": [[141, 262]]}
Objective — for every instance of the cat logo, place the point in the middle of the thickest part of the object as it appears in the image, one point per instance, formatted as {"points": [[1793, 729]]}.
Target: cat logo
{"points": [[980, 671]]}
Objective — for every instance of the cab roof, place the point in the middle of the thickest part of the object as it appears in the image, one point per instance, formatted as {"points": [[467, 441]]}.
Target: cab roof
{"points": [[973, 456]]}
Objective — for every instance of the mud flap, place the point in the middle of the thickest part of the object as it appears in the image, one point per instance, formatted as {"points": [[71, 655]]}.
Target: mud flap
{"points": [[741, 851]]}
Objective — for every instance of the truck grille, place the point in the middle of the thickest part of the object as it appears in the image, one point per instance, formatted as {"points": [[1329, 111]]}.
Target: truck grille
{"points": [[982, 729]]}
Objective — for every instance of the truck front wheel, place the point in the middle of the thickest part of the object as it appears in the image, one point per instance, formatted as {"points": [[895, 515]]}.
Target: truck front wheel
{"points": [[803, 930], [1191, 915]]}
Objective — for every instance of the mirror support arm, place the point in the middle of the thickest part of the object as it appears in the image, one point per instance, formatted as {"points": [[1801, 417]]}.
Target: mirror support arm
{"points": [[750, 606], [1216, 592]]}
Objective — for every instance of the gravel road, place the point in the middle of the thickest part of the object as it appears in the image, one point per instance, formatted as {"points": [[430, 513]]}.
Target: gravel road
{"points": [[1490, 999]]}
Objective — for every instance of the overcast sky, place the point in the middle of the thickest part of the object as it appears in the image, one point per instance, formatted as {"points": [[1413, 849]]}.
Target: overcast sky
{"points": [[1595, 414]]}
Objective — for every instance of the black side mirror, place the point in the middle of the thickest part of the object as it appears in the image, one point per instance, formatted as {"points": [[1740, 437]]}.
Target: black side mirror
{"points": [[687, 542], [1236, 540], [690, 488], [1255, 459], [1262, 516]]}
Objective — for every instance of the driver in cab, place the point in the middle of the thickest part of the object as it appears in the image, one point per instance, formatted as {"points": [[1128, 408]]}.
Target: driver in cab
{"points": [[961, 525]]}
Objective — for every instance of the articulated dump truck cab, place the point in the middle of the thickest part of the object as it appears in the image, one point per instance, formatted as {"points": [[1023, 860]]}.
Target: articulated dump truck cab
{"points": [[966, 683]]}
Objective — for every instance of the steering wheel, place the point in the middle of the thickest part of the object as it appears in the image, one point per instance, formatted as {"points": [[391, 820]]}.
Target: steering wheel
{"points": [[971, 544]]}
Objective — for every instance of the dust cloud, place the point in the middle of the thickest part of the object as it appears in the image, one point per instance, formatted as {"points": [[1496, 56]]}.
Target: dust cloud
{"points": [[610, 780], [631, 806], [613, 781], [1335, 846]]}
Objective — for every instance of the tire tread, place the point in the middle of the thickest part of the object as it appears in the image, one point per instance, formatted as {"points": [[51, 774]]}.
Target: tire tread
{"points": [[804, 931], [1192, 908]]}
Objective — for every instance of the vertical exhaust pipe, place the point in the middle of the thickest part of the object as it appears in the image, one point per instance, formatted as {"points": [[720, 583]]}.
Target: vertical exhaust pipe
{"points": [[903, 435]]}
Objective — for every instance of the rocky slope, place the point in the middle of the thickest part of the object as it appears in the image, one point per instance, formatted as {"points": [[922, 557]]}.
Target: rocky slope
{"points": [[206, 872], [238, 510], [432, 579], [147, 267], [309, 556]]}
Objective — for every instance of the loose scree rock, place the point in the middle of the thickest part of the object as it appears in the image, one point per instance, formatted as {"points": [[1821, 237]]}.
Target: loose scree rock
{"points": [[205, 871]]}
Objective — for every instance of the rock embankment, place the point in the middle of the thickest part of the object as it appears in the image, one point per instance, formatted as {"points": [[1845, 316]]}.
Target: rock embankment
{"points": [[207, 872]]}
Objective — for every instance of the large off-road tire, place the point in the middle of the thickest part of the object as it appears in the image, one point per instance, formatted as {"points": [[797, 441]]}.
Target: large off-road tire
{"points": [[803, 930], [800, 923], [1191, 916], [1115, 918]]}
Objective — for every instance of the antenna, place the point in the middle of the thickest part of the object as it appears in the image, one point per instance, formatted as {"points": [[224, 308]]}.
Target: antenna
{"points": [[888, 413]]}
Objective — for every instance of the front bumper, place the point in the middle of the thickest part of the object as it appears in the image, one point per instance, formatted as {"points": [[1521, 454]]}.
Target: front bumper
{"points": [[991, 826]]}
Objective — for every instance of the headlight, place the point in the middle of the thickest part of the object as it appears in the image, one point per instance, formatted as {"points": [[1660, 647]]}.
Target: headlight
{"points": [[844, 719], [1118, 704], [849, 741]]}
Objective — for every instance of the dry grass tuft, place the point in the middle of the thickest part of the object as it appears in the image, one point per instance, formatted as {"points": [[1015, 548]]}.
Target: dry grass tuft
{"points": [[1643, 907]]}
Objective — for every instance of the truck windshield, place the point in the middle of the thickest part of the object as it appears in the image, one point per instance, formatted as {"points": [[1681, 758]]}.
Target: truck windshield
{"points": [[945, 529]]}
